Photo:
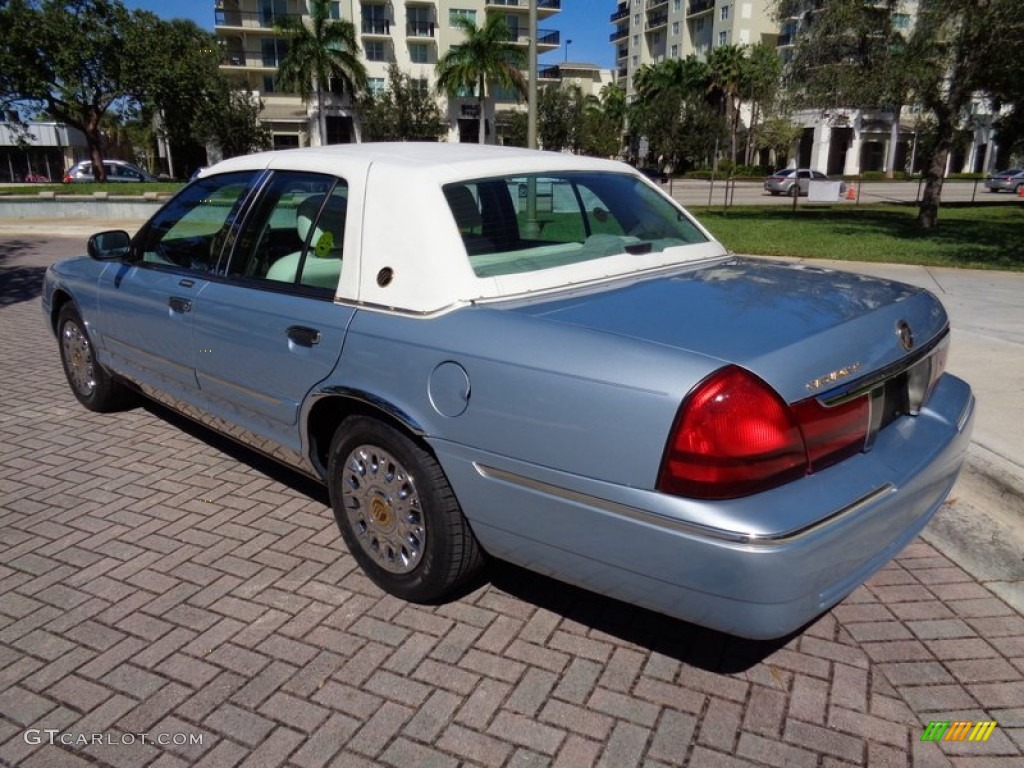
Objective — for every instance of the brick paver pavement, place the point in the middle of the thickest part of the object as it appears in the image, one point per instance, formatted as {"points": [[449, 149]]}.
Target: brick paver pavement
{"points": [[155, 579]]}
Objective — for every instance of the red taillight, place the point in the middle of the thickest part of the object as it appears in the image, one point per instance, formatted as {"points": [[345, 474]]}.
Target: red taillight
{"points": [[735, 436], [832, 434]]}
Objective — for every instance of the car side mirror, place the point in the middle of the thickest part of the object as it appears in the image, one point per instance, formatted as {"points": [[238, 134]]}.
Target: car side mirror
{"points": [[110, 245]]}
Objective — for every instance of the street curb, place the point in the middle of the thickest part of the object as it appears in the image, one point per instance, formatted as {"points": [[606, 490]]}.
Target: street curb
{"points": [[981, 526]]}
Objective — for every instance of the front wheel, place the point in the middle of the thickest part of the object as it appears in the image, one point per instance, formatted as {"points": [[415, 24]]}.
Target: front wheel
{"points": [[398, 514], [90, 382]]}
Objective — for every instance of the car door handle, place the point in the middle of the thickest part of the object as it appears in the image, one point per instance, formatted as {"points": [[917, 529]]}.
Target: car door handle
{"points": [[179, 304], [304, 336]]}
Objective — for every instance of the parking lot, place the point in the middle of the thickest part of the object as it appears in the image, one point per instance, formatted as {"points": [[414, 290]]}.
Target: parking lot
{"points": [[156, 579]]}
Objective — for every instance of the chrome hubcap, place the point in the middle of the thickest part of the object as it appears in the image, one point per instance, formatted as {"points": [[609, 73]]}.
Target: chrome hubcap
{"points": [[78, 359], [383, 508]]}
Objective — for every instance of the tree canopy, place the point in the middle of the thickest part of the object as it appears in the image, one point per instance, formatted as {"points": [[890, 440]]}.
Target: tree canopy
{"points": [[404, 111], [67, 59]]}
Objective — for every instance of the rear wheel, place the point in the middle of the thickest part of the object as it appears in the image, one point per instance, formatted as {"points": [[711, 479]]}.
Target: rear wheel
{"points": [[398, 514], [90, 382]]}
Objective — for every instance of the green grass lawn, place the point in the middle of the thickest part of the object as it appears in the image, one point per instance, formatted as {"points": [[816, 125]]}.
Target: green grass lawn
{"points": [[87, 188], [987, 237]]}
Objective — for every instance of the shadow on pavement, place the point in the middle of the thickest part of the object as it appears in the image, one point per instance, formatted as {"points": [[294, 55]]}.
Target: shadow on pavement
{"points": [[688, 643], [20, 284]]}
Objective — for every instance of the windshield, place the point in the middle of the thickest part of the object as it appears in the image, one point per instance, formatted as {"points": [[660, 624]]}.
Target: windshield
{"points": [[531, 222]]}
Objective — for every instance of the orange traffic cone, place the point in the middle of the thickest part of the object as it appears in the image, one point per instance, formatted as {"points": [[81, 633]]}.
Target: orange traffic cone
{"points": [[1020, 191], [850, 193]]}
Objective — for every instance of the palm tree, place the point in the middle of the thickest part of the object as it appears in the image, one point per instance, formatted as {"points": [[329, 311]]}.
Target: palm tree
{"points": [[488, 55], [728, 67], [325, 48]]}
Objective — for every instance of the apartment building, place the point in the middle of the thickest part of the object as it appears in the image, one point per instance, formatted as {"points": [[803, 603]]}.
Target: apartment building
{"points": [[413, 34], [647, 31]]}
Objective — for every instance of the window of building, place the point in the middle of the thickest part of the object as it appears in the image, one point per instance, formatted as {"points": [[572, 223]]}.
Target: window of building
{"points": [[901, 20], [376, 84], [636, 61], [273, 50], [636, 20], [269, 86], [375, 50], [675, 28], [656, 39], [699, 25], [335, 9], [723, 38], [675, 51], [455, 13], [636, 40], [677, 5], [419, 54], [725, 13]]}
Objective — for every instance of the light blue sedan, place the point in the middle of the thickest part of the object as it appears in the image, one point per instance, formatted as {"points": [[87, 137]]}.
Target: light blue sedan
{"points": [[489, 352]]}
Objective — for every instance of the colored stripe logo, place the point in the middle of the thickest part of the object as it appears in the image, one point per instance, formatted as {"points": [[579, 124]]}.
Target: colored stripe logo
{"points": [[958, 730]]}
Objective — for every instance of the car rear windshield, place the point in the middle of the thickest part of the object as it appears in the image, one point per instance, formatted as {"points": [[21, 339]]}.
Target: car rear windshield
{"points": [[531, 222]]}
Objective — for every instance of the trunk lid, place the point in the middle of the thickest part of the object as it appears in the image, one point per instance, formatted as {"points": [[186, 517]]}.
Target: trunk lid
{"points": [[794, 326]]}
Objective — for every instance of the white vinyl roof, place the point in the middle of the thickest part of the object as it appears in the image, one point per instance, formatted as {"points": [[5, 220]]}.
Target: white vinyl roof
{"points": [[407, 227]]}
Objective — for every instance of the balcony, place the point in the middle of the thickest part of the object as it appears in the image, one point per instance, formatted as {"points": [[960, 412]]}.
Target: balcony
{"points": [[622, 13], [251, 59], [551, 6], [549, 72], [621, 72], [421, 29], [619, 33], [546, 38], [622, 52], [250, 20], [656, 21], [651, 4], [699, 6], [376, 28]]}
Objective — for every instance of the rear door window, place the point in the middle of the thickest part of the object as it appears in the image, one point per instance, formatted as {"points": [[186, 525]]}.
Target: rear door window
{"points": [[533, 222]]}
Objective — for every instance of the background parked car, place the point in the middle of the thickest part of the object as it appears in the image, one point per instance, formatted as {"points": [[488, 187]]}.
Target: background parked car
{"points": [[793, 181], [117, 170], [35, 178], [1011, 180]]}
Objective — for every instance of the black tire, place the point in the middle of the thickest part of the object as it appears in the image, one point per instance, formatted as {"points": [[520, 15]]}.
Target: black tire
{"points": [[775, 194], [90, 382], [794, 191], [397, 513]]}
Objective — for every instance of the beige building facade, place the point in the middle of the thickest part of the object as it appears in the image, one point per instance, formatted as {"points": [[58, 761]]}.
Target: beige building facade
{"points": [[648, 31], [413, 34]]}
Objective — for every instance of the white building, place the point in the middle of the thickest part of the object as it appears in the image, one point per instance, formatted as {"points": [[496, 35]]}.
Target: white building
{"points": [[413, 34]]}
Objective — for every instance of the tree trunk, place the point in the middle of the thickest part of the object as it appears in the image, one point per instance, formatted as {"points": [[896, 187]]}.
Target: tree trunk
{"points": [[931, 199], [321, 120], [94, 140], [483, 120]]}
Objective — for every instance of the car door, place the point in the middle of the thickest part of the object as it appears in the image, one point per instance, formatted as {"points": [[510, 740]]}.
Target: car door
{"points": [[268, 330], [804, 180], [145, 303]]}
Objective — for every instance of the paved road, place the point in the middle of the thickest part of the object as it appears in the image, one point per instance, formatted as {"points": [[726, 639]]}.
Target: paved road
{"points": [[156, 579], [696, 193]]}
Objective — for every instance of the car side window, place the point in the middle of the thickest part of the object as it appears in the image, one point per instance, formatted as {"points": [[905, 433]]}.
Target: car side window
{"points": [[804, 174], [189, 231], [295, 234], [820, 175]]}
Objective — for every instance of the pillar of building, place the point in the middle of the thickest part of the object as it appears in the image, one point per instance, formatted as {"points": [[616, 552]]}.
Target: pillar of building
{"points": [[851, 164], [820, 148]]}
